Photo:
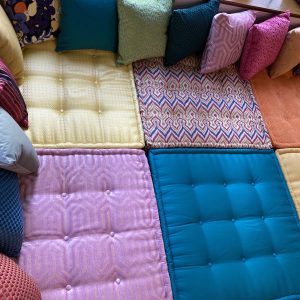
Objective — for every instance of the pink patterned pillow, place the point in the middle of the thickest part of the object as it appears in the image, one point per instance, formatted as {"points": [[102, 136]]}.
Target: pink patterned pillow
{"points": [[226, 40], [263, 44]]}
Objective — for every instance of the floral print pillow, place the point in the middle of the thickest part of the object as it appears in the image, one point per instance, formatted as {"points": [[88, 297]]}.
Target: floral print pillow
{"points": [[33, 20]]}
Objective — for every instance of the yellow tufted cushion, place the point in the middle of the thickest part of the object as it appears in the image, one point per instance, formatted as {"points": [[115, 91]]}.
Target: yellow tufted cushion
{"points": [[77, 99], [290, 163]]}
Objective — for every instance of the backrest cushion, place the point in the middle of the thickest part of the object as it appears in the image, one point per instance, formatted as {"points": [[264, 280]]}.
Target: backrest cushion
{"points": [[142, 29], [10, 50], [289, 55], [16, 151], [15, 283], [11, 98], [226, 40], [33, 21], [188, 30], [11, 215], [88, 24], [263, 45]]}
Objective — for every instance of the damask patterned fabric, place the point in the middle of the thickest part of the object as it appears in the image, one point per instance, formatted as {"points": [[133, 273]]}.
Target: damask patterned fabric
{"points": [[263, 45], [92, 229], [226, 40], [34, 20], [180, 107]]}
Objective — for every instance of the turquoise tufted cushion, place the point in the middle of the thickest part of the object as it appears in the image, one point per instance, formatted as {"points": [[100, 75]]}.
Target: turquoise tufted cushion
{"points": [[229, 225]]}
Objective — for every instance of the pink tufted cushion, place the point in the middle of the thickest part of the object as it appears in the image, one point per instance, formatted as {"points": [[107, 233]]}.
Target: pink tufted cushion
{"points": [[263, 45], [226, 40], [91, 227]]}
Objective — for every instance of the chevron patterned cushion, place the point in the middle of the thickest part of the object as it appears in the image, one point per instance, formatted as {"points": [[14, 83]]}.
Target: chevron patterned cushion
{"points": [[188, 30], [226, 40], [263, 45], [11, 216], [180, 107]]}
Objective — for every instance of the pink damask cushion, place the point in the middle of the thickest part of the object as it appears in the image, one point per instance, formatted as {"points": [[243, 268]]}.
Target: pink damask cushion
{"points": [[263, 44], [226, 40]]}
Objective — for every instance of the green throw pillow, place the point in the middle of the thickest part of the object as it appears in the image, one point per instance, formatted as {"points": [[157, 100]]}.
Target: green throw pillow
{"points": [[142, 29]]}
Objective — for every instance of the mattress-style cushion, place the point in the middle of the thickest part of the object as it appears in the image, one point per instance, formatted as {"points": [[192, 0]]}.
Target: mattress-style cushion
{"points": [[88, 24], [279, 103], [229, 224], [15, 284], [10, 50], [80, 99], [16, 151], [33, 21], [11, 215], [10, 97], [226, 40], [180, 107], [142, 29], [290, 163], [92, 229], [263, 44], [188, 30], [289, 56]]}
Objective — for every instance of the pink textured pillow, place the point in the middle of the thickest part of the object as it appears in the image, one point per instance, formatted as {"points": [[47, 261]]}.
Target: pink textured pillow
{"points": [[263, 44], [226, 40]]}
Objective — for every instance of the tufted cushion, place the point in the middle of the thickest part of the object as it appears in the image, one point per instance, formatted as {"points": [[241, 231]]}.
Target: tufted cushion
{"points": [[226, 40], [290, 161], [180, 107], [263, 45], [289, 56], [10, 50], [11, 216], [142, 29], [33, 21], [16, 151], [188, 30], [229, 225], [15, 284], [279, 102], [10, 97], [94, 232], [88, 24], [78, 99]]}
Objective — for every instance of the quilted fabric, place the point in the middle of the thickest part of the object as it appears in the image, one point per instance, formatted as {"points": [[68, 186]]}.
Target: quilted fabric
{"points": [[263, 45], [34, 21], [279, 102], [10, 97], [180, 107], [226, 40], [289, 56], [188, 30], [88, 24], [290, 161], [11, 216], [229, 225], [79, 99], [142, 29], [15, 284], [92, 229]]}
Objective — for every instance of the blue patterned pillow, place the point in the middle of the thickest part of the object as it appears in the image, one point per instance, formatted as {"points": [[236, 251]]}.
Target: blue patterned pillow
{"points": [[188, 30], [11, 215], [33, 20]]}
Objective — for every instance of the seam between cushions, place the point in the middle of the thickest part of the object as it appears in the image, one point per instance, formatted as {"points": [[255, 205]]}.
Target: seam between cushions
{"points": [[163, 221]]}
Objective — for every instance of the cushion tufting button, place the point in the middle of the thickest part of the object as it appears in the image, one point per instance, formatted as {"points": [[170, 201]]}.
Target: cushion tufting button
{"points": [[112, 234], [99, 111], [262, 217], [233, 220], [243, 259], [118, 281], [192, 185], [200, 222], [274, 254], [60, 79], [225, 184], [61, 110], [66, 238], [209, 264], [68, 287], [64, 195], [107, 192], [96, 82]]}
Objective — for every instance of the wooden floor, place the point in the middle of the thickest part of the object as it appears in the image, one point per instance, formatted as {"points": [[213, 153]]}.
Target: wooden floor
{"points": [[268, 5]]}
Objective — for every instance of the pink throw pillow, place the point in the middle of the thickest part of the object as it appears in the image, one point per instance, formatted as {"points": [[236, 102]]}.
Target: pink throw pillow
{"points": [[263, 45], [226, 40]]}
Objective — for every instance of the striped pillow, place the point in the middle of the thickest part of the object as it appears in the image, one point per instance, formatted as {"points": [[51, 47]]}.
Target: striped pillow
{"points": [[11, 98]]}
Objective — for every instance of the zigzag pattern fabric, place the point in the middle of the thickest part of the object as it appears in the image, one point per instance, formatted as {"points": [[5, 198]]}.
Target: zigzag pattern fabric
{"points": [[180, 107]]}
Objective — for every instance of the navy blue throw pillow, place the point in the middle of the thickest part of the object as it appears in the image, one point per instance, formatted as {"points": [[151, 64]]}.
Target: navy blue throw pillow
{"points": [[188, 30], [11, 215]]}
